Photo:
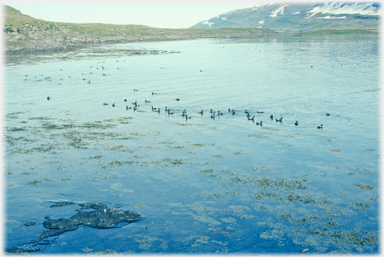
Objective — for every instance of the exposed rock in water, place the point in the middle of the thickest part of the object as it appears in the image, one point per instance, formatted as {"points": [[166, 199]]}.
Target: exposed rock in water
{"points": [[102, 217], [17, 250], [31, 223], [61, 204]]}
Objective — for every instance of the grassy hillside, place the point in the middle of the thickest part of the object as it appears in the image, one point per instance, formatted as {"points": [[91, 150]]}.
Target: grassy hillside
{"points": [[24, 34], [15, 21]]}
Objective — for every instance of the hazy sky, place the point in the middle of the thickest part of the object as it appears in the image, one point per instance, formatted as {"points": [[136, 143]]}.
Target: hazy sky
{"points": [[162, 14]]}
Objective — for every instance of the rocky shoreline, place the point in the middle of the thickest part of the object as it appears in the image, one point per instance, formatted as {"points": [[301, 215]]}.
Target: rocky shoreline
{"points": [[16, 43]]}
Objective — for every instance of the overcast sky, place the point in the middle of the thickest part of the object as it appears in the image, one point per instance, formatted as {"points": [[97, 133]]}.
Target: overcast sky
{"points": [[162, 14]]}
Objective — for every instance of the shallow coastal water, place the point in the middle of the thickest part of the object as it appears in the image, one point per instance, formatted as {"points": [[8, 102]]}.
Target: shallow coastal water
{"points": [[202, 185]]}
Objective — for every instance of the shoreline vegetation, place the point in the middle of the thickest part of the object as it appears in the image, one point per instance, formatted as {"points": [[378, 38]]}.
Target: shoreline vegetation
{"points": [[24, 35]]}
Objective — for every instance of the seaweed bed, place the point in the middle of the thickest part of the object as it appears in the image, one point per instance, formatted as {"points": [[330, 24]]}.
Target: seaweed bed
{"points": [[202, 185]]}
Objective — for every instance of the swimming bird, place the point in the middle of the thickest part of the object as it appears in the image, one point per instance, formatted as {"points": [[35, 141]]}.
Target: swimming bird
{"points": [[259, 123], [233, 112], [135, 108], [201, 112], [252, 119], [48, 98], [229, 110], [320, 127], [105, 103], [127, 107], [153, 93], [125, 100], [279, 120], [187, 117], [147, 101], [134, 90], [166, 109], [271, 116], [260, 112], [169, 112], [177, 99], [212, 111], [213, 116], [158, 110], [296, 123], [113, 105], [153, 108], [219, 113], [89, 82], [327, 114]]}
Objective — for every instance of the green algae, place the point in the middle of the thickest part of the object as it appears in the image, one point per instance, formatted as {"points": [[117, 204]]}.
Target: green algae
{"points": [[145, 242], [360, 186], [260, 135], [95, 157], [15, 129], [197, 145], [34, 182], [240, 152], [262, 169], [270, 128], [40, 118], [360, 206], [201, 241], [28, 173]]}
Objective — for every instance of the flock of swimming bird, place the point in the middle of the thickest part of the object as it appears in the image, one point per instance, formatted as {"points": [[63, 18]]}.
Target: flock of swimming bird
{"points": [[212, 113], [184, 113]]}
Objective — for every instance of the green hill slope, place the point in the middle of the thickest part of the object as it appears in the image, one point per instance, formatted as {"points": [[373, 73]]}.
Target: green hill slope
{"points": [[24, 34]]}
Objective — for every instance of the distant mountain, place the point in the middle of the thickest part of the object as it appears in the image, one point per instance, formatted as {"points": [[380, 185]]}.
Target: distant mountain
{"points": [[299, 16]]}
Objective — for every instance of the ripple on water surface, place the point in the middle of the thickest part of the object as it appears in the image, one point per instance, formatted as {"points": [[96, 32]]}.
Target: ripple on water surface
{"points": [[201, 185]]}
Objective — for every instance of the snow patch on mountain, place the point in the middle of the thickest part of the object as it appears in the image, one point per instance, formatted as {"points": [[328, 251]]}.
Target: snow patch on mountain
{"points": [[341, 8], [207, 23], [334, 17], [278, 10]]}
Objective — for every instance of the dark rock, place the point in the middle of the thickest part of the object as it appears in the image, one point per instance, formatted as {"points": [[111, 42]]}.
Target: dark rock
{"points": [[17, 250], [61, 204], [102, 217], [31, 223]]}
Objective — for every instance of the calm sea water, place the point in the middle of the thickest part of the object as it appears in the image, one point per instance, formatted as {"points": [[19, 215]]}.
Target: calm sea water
{"points": [[202, 185]]}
